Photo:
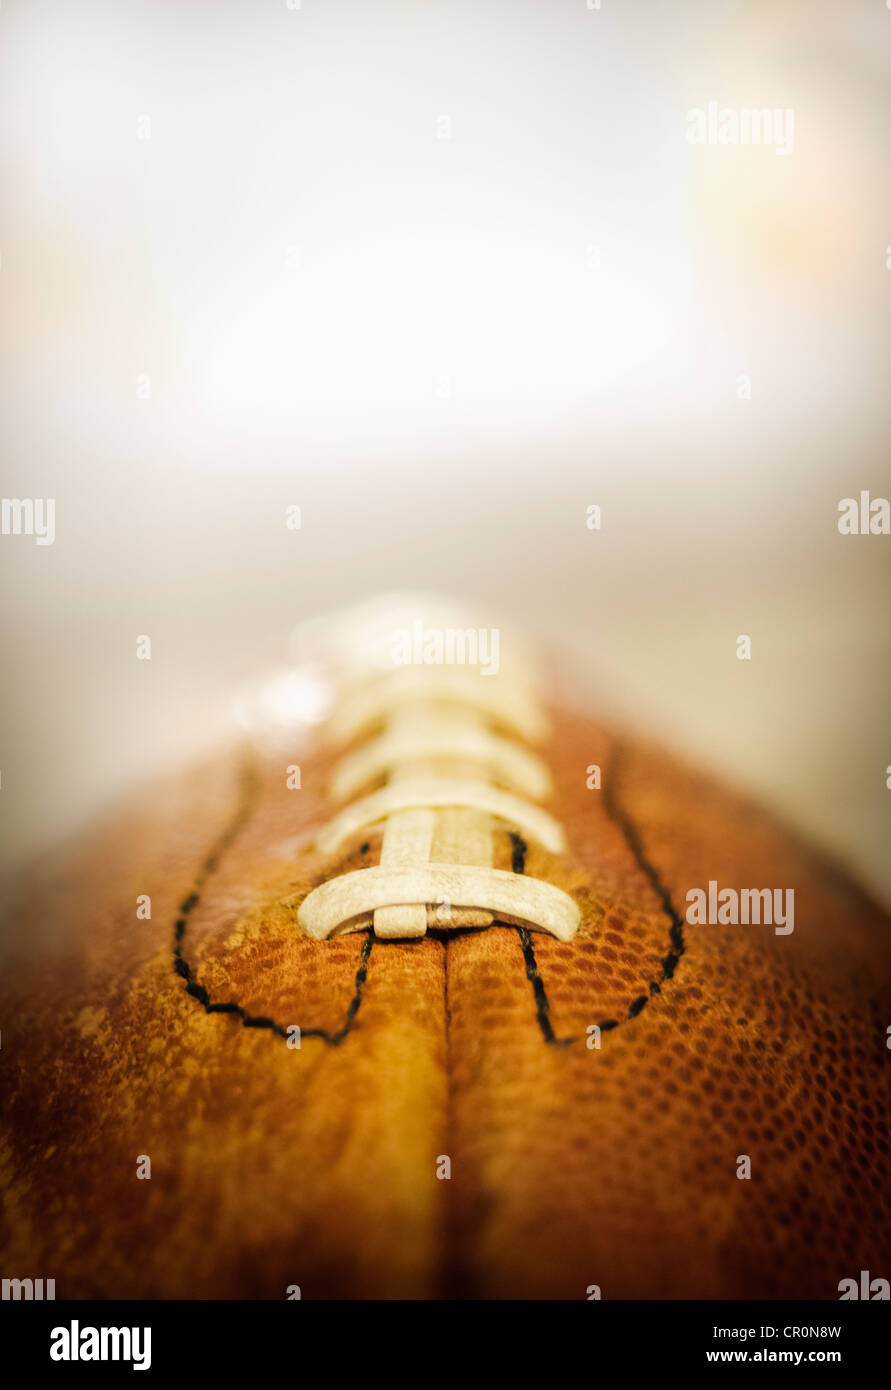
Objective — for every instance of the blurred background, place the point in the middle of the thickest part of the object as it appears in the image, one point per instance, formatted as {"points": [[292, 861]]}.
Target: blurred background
{"points": [[444, 275]]}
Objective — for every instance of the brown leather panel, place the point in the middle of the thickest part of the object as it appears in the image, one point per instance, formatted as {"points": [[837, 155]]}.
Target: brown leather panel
{"points": [[270, 1166], [617, 1166]]}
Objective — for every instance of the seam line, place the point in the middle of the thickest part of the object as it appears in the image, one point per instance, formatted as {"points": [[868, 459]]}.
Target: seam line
{"points": [[676, 933]]}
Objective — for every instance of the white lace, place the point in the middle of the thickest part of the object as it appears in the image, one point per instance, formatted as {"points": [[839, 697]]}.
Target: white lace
{"points": [[438, 751]]}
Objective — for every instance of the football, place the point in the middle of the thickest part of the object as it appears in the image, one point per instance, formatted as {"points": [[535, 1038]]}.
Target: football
{"points": [[433, 987]]}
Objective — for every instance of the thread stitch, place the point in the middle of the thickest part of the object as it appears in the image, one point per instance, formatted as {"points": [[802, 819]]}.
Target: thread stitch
{"points": [[194, 988]]}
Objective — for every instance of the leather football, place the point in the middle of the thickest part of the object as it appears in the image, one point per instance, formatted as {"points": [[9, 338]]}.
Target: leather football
{"points": [[453, 994]]}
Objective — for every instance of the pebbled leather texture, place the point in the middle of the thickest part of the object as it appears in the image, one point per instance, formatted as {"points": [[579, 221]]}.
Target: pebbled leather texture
{"points": [[570, 1165]]}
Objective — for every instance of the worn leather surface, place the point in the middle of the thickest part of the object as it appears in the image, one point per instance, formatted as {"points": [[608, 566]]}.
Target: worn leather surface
{"points": [[570, 1165]]}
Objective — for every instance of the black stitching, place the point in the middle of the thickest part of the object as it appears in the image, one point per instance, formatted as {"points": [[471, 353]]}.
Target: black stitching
{"points": [[542, 1003], [676, 934], [194, 988], [519, 850], [633, 840]]}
